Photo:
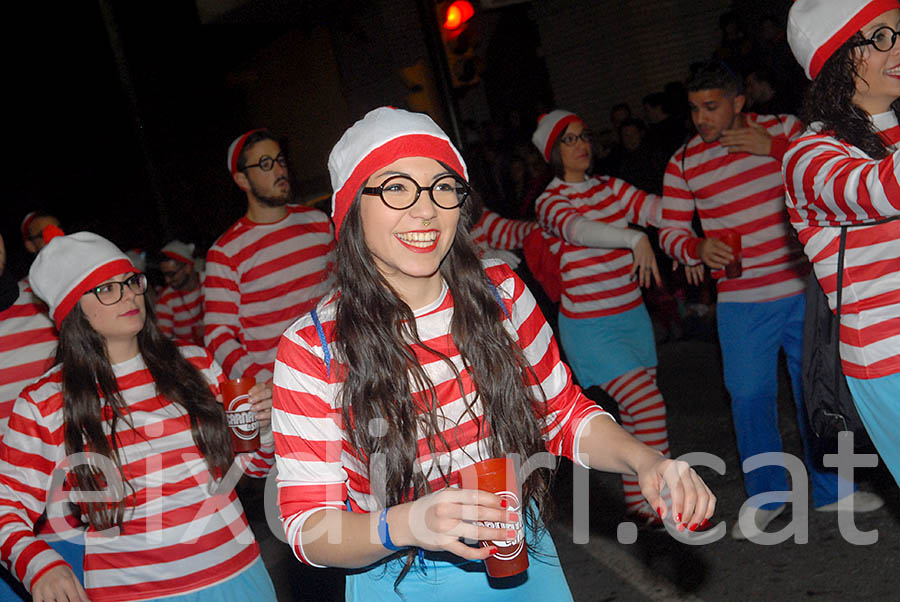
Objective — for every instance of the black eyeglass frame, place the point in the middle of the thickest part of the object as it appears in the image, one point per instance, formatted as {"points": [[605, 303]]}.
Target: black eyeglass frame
{"points": [[379, 191], [585, 135], [871, 41], [139, 278], [267, 160]]}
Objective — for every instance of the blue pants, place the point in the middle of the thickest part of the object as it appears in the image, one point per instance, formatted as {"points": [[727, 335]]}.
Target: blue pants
{"points": [[750, 335], [463, 581], [878, 402]]}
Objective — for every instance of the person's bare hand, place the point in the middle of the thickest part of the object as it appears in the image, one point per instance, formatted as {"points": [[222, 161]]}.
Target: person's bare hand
{"points": [[59, 584], [645, 263], [692, 501], [438, 521], [715, 253], [753, 139], [694, 273], [261, 402]]}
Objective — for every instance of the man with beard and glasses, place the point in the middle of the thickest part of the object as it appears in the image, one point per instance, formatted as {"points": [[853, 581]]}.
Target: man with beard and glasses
{"points": [[266, 270], [179, 307]]}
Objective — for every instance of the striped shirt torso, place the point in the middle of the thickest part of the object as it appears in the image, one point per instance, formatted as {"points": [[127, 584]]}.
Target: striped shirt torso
{"points": [[740, 192], [830, 183], [259, 279], [27, 347], [318, 468], [596, 282], [177, 312], [176, 537]]}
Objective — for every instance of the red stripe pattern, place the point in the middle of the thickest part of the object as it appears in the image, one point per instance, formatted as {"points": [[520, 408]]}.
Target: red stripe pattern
{"points": [[829, 183], [595, 282], [317, 467], [27, 347], [259, 278], [494, 231], [739, 192], [178, 311], [176, 537]]}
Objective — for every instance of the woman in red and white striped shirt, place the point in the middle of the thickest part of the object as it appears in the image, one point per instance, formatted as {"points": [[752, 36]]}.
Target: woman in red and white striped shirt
{"points": [[422, 362], [604, 326], [845, 171], [133, 422]]}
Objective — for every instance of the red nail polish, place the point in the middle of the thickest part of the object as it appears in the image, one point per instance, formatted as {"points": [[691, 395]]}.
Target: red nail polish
{"points": [[678, 518], [513, 517], [659, 512], [705, 522], [493, 550], [680, 527], [694, 526], [504, 503]]}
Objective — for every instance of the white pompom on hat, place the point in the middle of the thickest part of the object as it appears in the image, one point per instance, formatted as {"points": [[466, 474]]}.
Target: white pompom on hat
{"points": [[179, 251], [381, 137], [817, 28], [550, 126], [69, 266], [234, 150]]}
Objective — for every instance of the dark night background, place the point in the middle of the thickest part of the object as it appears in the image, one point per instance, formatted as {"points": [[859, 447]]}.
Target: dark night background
{"points": [[118, 113]]}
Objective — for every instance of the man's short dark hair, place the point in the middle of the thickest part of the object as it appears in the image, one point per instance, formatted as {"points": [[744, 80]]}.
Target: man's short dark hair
{"points": [[656, 99], [620, 106], [252, 139], [714, 75]]}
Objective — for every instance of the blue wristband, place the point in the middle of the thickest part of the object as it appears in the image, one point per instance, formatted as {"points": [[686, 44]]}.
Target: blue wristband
{"points": [[384, 532]]}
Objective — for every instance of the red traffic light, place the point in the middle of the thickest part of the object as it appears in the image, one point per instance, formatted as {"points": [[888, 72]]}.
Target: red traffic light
{"points": [[457, 14]]}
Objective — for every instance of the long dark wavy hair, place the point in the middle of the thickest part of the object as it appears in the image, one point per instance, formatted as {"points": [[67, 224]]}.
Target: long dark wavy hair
{"points": [[829, 99], [376, 337], [90, 392]]}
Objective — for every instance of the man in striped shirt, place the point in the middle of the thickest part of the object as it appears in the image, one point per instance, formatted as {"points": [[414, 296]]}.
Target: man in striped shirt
{"points": [[179, 307], [730, 172], [270, 267]]}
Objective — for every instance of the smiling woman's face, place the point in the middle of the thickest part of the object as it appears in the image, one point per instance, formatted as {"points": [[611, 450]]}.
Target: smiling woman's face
{"points": [[878, 80], [119, 321]]}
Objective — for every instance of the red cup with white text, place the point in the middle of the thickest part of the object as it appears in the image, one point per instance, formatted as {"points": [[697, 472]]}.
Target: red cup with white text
{"points": [[242, 420], [733, 240], [498, 476]]}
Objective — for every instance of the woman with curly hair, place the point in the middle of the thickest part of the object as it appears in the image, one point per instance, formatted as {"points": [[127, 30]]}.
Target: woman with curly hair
{"points": [[423, 361], [845, 171]]}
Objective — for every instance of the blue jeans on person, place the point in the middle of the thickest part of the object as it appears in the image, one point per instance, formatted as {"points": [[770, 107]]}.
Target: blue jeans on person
{"points": [[878, 402], [750, 335]]}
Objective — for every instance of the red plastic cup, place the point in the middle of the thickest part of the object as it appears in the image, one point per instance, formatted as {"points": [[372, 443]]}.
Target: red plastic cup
{"points": [[733, 240], [241, 419], [498, 476]]}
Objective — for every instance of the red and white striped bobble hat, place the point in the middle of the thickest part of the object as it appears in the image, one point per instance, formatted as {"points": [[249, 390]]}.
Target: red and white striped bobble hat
{"points": [[179, 251], [26, 224], [381, 137], [550, 126], [817, 28], [234, 150], [69, 266]]}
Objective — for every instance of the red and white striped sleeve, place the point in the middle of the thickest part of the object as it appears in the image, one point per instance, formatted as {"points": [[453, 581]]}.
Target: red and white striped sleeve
{"points": [[30, 450], [676, 236], [222, 329], [308, 433], [165, 316], [827, 185], [495, 231], [568, 409], [641, 208]]}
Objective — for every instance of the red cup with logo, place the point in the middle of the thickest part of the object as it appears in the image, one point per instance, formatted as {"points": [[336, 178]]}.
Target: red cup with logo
{"points": [[733, 240], [241, 419], [498, 476]]}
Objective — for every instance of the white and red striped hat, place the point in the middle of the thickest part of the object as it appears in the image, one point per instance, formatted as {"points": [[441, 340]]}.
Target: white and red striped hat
{"points": [[381, 137], [69, 266], [550, 126], [26, 224], [234, 150], [817, 28], [179, 251]]}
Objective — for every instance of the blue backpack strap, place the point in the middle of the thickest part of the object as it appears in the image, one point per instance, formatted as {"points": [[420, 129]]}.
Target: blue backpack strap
{"points": [[499, 300], [325, 350]]}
